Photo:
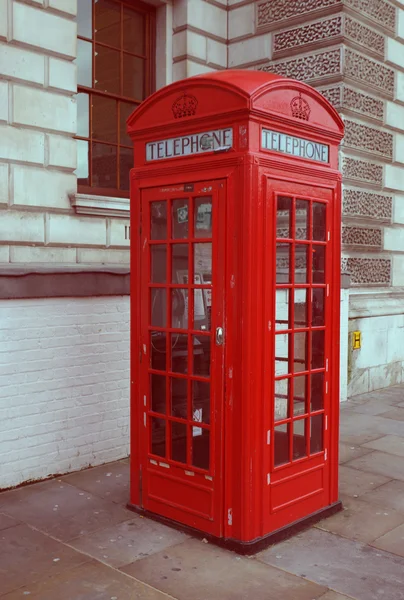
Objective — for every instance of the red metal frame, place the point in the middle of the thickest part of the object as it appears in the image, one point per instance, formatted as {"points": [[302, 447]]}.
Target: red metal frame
{"points": [[251, 496]]}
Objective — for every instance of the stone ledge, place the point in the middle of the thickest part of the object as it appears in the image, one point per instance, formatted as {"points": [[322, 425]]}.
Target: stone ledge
{"points": [[377, 303], [86, 204]]}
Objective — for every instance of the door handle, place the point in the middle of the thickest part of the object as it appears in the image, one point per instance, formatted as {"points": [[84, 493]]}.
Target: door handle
{"points": [[219, 336]]}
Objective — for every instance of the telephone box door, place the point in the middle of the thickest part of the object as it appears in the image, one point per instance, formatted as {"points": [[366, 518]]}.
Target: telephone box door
{"points": [[181, 371]]}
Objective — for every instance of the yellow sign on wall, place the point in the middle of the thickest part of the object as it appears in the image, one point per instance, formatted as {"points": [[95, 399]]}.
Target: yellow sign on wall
{"points": [[356, 340]]}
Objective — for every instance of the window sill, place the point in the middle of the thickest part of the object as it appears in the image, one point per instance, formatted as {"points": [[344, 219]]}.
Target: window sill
{"points": [[104, 206]]}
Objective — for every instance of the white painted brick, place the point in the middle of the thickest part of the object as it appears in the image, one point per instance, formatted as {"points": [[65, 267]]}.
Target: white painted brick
{"points": [[216, 53], [398, 271], [398, 208], [67, 6], [102, 256], [394, 239], [22, 145], [62, 75], [117, 233], [16, 226], [242, 21], [66, 229], [43, 109], [40, 187], [4, 192], [3, 101], [3, 19], [250, 50], [191, 43], [20, 63], [62, 151], [395, 52], [4, 254], [37, 254], [395, 115], [394, 178], [44, 30], [399, 95]]}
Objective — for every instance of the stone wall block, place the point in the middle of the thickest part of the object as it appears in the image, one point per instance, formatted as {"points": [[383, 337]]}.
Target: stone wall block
{"points": [[102, 256], [116, 233], [368, 271], [242, 21], [369, 72], [362, 236], [65, 6], [18, 226], [74, 230], [40, 254], [41, 187], [62, 151], [3, 20], [216, 53], [360, 170], [369, 205], [250, 51], [62, 75], [394, 178], [4, 188], [3, 101], [45, 110], [23, 145], [310, 67], [369, 139], [395, 53], [21, 64]]}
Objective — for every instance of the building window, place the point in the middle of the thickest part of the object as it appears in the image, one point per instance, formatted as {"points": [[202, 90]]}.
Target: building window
{"points": [[115, 69]]}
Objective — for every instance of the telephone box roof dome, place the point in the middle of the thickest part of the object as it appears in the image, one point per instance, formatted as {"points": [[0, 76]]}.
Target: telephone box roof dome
{"points": [[247, 82]]}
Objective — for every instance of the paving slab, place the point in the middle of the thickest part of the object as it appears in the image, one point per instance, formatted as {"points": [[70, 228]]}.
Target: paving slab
{"points": [[391, 444], [6, 522], [355, 483], [110, 481], [362, 521], [389, 495], [348, 452], [379, 463], [126, 542], [397, 414], [92, 581], [61, 510], [27, 555], [348, 567], [372, 407], [198, 571], [393, 541], [331, 595]]}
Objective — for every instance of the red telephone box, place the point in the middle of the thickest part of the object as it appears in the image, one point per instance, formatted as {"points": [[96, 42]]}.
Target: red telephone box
{"points": [[235, 220]]}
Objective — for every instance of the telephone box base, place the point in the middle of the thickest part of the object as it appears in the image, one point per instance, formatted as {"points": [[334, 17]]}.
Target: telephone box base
{"points": [[247, 548]]}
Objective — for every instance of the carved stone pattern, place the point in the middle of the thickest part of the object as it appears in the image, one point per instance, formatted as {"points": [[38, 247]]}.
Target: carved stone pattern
{"points": [[359, 169], [367, 138], [368, 270], [363, 35], [361, 236], [333, 95], [308, 67], [367, 204], [308, 34], [380, 11], [279, 10], [369, 71], [363, 103]]}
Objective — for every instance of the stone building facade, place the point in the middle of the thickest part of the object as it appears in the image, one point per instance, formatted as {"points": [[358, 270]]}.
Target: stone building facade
{"points": [[64, 228]]}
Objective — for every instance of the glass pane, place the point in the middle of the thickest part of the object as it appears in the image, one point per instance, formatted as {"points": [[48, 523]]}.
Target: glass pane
{"points": [[83, 162], [134, 28], [158, 350], [300, 355], [318, 264], [283, 217], [202, 309], [83, 115], [158, 436], [203, 217], [282, 309], [202, 263], [319, 221], [125, 110], [158, 307], [84, 63], [107, 70], [300, 308], [301, 263], [158, 217], [179, 396], [104, 166], [107, 22], [158, 256], [299, 395], [104, 119], [134, 75], [201, 401], [179, 257], [316, 434], [201, 355], [281, 399], [179, 442], [317, 350], [158, 393], [282, 263], [281, 354], [317, 307], [179, 353], [84, 18], [281, 443], [179, 217], [302, 220], [299, 439], [317, 391], [125, 165], [200, 448], [179, 309]]}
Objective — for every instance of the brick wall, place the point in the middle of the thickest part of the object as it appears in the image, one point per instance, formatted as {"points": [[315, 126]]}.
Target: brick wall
{"points": [[64, 385]]}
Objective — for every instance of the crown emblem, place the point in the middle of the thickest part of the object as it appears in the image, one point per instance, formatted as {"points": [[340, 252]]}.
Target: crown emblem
{"points": [[185, 106], [300, 108]]}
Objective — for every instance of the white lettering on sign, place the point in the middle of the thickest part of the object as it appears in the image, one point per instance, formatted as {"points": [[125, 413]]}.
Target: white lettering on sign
{"points": [[220, 139], [295, 146]]}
